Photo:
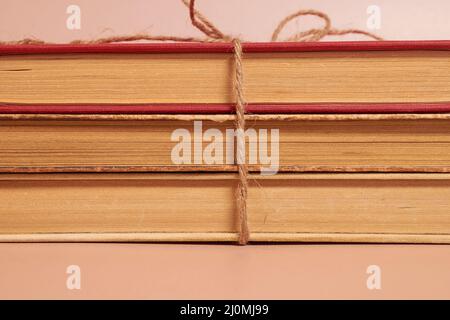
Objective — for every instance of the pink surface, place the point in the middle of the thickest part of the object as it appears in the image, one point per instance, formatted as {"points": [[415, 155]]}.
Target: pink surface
{"points": [[142, 271], [253, 20]]}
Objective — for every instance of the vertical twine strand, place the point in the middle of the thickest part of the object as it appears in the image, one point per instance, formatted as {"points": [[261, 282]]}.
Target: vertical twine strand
{"points": [[242, 188]]}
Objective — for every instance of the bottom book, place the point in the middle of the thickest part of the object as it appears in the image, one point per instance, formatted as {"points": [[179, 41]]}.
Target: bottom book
{"points": [[146, 207]]}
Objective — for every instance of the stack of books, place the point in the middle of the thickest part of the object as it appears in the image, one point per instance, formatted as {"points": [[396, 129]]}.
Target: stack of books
{"points": [[345, 142]]}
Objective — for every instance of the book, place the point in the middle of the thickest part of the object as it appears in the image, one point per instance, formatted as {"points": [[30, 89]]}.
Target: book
{"points": [[411, 208], [109, 144], [366, 77], [345, 142]]}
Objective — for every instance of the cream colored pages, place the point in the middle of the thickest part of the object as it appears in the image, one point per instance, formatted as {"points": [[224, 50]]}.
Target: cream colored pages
{"points": [[389, 145], [391, 76], [186, 207]]}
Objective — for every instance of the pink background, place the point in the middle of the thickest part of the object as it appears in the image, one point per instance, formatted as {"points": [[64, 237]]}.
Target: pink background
{"points": [[218, 271], [161, 271], [253, 20]]}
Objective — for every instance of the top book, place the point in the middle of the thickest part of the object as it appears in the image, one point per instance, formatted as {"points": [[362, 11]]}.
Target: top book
{"points": [[279, 77]]}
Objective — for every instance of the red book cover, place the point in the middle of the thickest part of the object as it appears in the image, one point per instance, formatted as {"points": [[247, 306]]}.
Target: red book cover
{"points": [[441, 45]]}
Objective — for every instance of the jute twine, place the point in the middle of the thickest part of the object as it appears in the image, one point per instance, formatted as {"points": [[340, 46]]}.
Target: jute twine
{"points": [[213, 34]]}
